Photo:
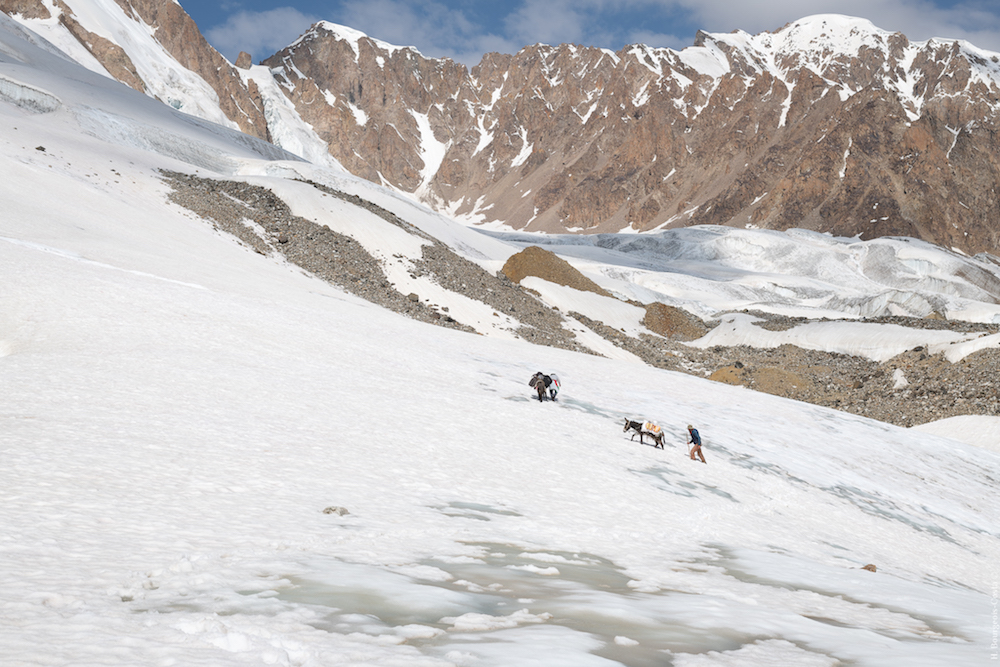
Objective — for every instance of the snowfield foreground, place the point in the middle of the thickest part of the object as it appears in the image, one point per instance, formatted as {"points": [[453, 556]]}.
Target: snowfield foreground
{"points": [[212, 458], [178, 412], [172, 436]]}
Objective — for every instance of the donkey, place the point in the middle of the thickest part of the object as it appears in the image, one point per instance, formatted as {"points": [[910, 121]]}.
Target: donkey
{"points": [[644, 428], [540, 382]]}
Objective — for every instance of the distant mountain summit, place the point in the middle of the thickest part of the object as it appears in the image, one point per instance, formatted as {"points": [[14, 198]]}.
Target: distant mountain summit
{"points": [[828, 123]]}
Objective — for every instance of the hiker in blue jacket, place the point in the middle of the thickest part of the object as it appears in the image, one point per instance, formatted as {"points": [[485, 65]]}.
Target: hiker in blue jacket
{"points": [[696, 442]]}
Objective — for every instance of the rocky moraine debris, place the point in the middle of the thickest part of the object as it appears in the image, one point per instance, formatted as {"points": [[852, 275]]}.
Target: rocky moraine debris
{"points": [[912, 388], [262, 221]]}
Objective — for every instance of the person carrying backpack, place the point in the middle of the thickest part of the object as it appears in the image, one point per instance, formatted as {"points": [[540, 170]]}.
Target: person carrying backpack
{"points": [[555, 386], [695, 441]]}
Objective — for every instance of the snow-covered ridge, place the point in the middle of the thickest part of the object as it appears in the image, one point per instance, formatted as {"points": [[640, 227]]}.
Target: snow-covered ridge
{"points": [[816, 42], [827, 44], [351, 36], [163, 76]]}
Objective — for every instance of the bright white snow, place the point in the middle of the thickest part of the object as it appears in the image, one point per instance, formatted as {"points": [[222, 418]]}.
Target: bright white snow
{"points": [[978, 430], [177, 411]]}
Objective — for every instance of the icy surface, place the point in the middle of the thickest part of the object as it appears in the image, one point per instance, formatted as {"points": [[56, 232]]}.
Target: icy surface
{"points": [[27, 97], [709, 270]]}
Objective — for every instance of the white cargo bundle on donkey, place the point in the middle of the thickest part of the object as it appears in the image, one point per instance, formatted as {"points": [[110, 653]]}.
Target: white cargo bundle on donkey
{"points": [[645, 428]]}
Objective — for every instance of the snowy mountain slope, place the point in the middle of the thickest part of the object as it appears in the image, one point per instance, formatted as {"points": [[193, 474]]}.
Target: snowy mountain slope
{"points": [[230, 495], [177, 412], [167, 58], [104, 108], [196, 506]]}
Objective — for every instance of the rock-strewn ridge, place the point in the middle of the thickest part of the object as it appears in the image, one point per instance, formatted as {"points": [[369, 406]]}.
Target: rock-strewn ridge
{"points": [[934, 389]]}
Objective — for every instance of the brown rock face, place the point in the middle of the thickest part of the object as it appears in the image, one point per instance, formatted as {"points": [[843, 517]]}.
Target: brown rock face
{"points": [[378, 104], [673, 322], [109, 54], [778, 130], [541, 263], [29, 9]]}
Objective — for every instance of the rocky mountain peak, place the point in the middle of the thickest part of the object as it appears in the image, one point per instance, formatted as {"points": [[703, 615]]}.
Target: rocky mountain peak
{"points": [[827, 123]]}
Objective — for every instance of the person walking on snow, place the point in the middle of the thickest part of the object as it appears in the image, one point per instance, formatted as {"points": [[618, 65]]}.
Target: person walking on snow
{"points": [[555, 386], [696, 444]]}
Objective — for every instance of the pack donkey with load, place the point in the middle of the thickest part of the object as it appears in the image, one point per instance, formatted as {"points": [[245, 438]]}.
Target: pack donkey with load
{"points": [[541, 383], [645, 428]]}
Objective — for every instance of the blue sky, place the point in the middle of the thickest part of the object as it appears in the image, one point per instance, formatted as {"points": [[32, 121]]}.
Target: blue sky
{"points": [[466, 29]]}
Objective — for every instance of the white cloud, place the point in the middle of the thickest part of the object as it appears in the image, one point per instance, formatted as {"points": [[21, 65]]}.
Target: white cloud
{"points": [[439, 28], [602, 23], [673, 23], [261, 34], [977, 22], [548, 22]]}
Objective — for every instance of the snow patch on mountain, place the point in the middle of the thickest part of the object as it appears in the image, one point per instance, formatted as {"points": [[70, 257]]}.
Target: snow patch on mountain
{"points": [[432, 152], [978, 430], [288, 130], [163, 76], [350, 36]]}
